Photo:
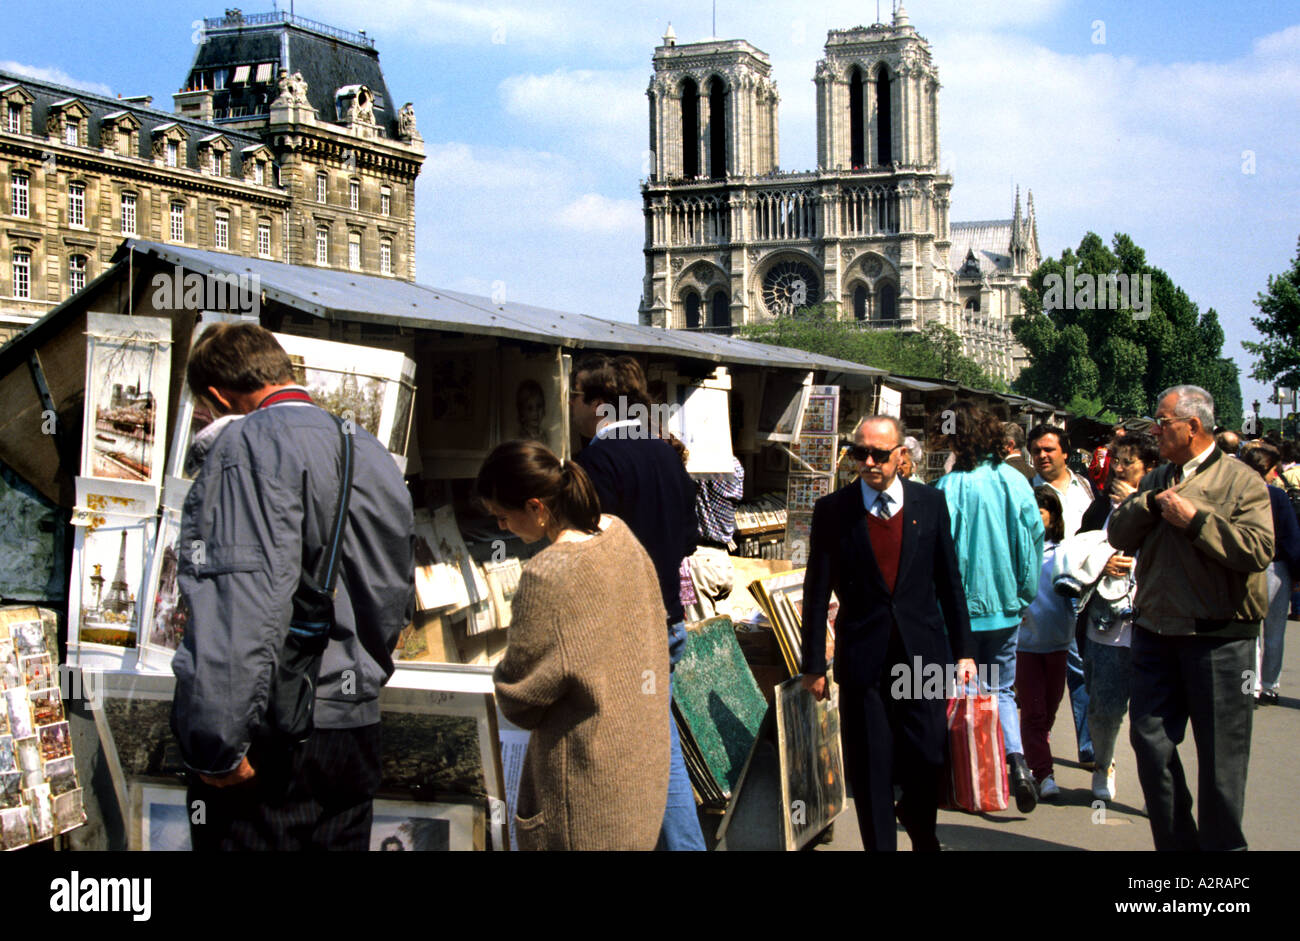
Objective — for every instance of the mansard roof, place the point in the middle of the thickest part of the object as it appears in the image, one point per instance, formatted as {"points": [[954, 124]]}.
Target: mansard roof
{"points": [[328, 59], [47, 96]]}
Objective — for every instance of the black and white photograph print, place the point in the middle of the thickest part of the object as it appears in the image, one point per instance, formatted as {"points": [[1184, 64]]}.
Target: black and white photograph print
{"points": [[8, 757], [410, 826], [11, 674]]}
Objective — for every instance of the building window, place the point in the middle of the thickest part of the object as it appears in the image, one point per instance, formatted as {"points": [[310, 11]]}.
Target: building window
{"points": [[22, 273], [20, 207], [354, 195], [173, 153], [354, 250], [70, 132], [221, 230], [264, 239], [214, 163], [385, 256], [178, 222], [77, 204], [15, 125], [322, 245], [128, 214], [259, 172], [76, 273], [692, 302], [322, 187], [385, 202]]}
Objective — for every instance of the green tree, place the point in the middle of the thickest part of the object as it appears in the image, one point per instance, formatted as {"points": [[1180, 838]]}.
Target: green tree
{"points": [[1112, 357], [1277, 356], [932, 353]]}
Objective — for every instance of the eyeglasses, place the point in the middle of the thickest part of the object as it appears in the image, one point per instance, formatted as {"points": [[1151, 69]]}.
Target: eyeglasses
{"points": [[860, 452], [1163, 423]]}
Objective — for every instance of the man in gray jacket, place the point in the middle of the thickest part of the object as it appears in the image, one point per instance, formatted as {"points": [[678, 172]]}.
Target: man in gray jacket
{"points": [[257, 516]]}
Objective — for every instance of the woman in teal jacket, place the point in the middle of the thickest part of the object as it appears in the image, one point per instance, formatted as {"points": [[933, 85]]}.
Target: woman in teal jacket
{"points": [[998, 533]]}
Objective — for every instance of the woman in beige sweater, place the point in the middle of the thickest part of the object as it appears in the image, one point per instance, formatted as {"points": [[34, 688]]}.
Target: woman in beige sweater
{"points": [[586, 668]]}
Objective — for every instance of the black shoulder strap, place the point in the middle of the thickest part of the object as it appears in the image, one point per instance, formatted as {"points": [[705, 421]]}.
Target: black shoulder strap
{"points": [[331, 557]]}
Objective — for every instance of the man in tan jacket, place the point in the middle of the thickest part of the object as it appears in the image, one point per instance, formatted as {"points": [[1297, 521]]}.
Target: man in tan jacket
{"points": [[1202, 528]]}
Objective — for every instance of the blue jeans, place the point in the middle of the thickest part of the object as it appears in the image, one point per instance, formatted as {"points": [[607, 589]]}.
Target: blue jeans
{"points": [[681, 826], [1074, 679], [998, 649]]}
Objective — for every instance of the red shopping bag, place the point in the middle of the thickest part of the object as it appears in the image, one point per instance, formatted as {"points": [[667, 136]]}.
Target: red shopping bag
{"points": [[977, 755]]}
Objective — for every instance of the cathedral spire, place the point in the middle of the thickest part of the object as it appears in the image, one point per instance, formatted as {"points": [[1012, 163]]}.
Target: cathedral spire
{"points": [[1017, 225]]}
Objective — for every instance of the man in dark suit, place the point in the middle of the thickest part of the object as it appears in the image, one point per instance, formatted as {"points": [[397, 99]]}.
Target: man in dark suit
{"points": [[884, 546]]}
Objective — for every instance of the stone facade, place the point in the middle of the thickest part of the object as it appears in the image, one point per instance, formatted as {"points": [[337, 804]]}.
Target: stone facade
{"points": [[730, 239], [271, 176]]}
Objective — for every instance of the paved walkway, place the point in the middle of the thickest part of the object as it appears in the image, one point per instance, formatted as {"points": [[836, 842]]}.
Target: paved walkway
{"points": [[1272, 820]]}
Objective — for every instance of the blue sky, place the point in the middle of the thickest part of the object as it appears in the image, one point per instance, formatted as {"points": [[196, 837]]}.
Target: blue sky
{"points": [[534, 118]]}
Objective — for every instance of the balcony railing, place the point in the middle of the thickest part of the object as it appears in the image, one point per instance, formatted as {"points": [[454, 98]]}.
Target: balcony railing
{"points": [[236, 20]]}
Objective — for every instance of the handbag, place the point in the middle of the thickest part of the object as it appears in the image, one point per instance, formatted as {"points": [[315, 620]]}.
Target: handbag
{"points": [[977, 755], [292, 700]]}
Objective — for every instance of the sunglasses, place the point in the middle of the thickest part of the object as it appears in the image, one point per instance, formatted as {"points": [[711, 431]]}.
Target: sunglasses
{"points": [[860, 452]]}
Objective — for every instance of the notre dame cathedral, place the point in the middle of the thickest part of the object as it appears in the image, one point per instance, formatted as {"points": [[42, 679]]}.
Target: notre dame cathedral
{"points": [[732, 239]]}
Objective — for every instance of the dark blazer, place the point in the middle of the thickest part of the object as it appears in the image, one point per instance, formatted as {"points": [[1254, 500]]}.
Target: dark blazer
{"points": [[927, 597]]}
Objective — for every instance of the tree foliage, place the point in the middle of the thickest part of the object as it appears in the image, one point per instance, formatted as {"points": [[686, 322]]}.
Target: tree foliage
{"points": [[1277, 356], [1119, 357], [933, 353]]}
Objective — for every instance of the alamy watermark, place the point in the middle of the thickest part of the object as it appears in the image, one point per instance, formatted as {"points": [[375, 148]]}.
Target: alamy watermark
{"points": [[179, 290], [938, 681], [635, 420], [1115, 291]]}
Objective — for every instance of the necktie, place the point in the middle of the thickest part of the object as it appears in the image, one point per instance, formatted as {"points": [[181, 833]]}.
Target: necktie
{"points": [[882, 506], [1178, 475]]}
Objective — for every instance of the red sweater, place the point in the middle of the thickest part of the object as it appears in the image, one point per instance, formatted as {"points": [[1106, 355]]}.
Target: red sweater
{"points": [[887, 543]]}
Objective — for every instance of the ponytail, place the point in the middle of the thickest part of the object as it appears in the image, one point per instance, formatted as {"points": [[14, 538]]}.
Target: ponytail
{"points": [[578, 503], [518, 471]]}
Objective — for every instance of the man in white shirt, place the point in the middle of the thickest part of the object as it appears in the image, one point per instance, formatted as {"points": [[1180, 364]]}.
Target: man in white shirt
{"points": [[1048, 447]]}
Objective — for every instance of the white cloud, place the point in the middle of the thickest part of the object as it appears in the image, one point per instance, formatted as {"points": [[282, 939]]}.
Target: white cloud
{"points": [[56, 76], [592, 212], [586, 112]]}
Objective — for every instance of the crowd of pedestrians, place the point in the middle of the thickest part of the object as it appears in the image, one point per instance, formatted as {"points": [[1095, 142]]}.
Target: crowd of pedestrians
{"points": [[1153, 580]]}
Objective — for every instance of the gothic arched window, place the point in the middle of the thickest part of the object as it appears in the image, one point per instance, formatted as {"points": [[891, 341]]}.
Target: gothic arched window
{"points": [[720, 311], [692, 302], [717, 129], [888, 305], [884, 124], [860, 302], [857, 112], [690, 129]]}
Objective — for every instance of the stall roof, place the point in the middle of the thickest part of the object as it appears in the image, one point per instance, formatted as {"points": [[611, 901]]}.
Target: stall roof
{"points": [[346, 295], [934, 385]]}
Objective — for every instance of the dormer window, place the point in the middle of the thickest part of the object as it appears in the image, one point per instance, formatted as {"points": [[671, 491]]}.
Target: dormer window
{"points": [[72, 132], [173, 153], [14, 123], [259, 173]]}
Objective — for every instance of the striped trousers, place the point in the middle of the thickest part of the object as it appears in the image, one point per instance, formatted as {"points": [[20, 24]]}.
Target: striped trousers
{"points": [[315, 796]]}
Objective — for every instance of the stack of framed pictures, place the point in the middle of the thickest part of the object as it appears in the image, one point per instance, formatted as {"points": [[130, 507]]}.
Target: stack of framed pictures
{"points": [[128, 370], [442, 784], [39, 792]]}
